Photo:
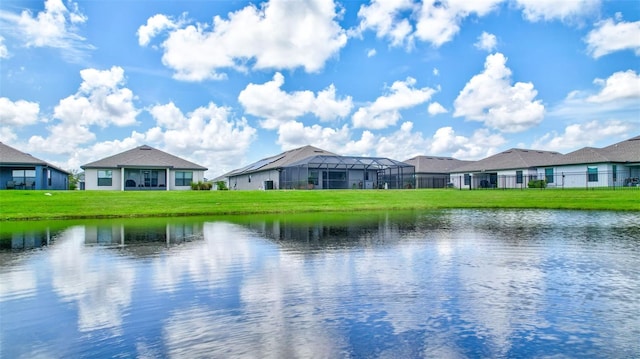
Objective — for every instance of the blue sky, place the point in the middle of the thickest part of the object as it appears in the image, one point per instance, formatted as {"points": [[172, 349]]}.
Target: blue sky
{"points": [[225, 83]]}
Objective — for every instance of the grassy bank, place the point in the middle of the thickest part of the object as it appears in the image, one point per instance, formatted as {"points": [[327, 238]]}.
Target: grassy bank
{"points": [[36, 205]]}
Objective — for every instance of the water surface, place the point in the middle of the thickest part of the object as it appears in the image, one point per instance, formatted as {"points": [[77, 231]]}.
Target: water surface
{"points": [[445, 284]]}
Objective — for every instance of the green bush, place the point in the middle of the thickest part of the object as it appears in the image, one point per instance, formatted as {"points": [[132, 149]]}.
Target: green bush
{"points": [[221, 186], [201, 186], [537, 184]]}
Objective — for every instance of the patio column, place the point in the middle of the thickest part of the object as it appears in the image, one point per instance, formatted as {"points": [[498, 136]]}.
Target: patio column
{"points": [[122, 170], [168, 179]]}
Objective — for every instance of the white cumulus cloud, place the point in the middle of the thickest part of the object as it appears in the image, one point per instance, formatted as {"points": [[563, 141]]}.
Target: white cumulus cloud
{"points": [[19, 113], [155, 25], [208, 135], [100, 101], [404, 21], [4, 53], [481, 144], [279, 34], [547, 10], [55, 27], [619, 86], [580, 135], [439, 21], [276, 106], [487, 42], [611, 36], [293, 134], [385, 110], [489, 97], [436, 108]]}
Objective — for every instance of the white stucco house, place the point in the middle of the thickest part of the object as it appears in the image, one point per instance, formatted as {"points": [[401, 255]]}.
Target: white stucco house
{"points": [[513, 168], [141, 169], [617, 165]]}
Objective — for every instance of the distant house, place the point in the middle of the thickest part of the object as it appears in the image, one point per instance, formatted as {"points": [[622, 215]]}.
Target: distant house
{"points": [[309, 167], [433, 171], [512, 168], [19, 170], [142, 168], [617, 165]]}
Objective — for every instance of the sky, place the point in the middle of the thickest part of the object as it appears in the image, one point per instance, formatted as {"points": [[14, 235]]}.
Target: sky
{"points": [[226, 83]]}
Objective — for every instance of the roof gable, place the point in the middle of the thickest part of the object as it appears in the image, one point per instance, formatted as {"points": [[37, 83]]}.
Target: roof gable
{"points": [[144, 156]]}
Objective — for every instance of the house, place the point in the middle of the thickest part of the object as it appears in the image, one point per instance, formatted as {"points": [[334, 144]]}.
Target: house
{"points": [[309, 167], [513, 168], [19, 170], [142, 168], [433, 171], [617, 165]]}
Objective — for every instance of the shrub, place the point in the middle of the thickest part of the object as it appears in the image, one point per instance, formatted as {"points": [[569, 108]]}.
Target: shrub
{"points": [[537, 184], [221, 186], [201, 186]]}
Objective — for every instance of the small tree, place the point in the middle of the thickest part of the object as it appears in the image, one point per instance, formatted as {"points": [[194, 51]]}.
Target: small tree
{"points": [[221, 185], [74, 179]]}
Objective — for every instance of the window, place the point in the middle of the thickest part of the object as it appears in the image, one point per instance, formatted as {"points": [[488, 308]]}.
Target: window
{"points": [[592, 174], [26, 178], [184, 178], [548, 175], [105, 178], [518, 177], [615, 172], [48, 177], [467, 179]]}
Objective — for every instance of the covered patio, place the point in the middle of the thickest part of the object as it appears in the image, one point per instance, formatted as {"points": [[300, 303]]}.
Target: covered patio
{"points": [[347, 172]]}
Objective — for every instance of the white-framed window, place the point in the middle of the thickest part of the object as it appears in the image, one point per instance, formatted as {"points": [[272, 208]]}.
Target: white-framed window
{"points": [[592, 174], [105, 178], [184, 178]]}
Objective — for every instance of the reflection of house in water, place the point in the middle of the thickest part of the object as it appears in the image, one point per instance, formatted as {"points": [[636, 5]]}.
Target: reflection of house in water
{"points": [[321, 234], [119, 234], [31, 239]]}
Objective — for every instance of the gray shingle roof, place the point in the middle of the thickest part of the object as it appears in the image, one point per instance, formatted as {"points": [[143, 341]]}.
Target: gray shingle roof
{"points": [[12, 156], [281, 160], [514, 158], [625, 151], [434, 164], [144, 156]]}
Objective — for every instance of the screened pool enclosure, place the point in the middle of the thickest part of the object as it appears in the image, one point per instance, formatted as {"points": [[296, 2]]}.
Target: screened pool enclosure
{"points": [[340, 172]]}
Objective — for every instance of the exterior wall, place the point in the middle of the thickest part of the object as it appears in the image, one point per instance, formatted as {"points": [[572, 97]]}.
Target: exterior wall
{"points": [[91, 179], [254, 181], [576, 176], [59, 179], [198, 176], [355, 179], [567, 176], [496, 179]]}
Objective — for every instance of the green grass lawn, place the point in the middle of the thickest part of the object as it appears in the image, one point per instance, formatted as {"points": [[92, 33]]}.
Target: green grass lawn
{"points": [[36, 205]]}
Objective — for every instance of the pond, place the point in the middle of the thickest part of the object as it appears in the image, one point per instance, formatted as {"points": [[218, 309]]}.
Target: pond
{"points": [[445, 284]]}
